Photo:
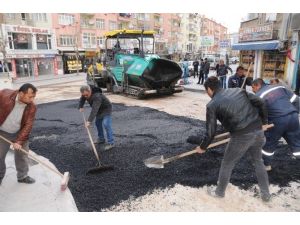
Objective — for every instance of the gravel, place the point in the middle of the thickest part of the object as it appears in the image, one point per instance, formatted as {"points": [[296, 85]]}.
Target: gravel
{"points": [[140, 133]]}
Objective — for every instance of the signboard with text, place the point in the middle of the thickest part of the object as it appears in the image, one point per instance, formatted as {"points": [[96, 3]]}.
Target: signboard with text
{"points": [[258, 33], [207, 41], [224, 43]]}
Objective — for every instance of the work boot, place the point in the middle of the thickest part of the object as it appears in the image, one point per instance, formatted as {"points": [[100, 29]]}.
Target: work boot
{"points": [[27, 180], [212, 193], [108, 147], [266, 198], [99, 141]]}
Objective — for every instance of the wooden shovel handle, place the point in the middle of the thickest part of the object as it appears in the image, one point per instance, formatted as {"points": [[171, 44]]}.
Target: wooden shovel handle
{"points": [[33, 157], [195, 151], [91, 139], [265, 127]]}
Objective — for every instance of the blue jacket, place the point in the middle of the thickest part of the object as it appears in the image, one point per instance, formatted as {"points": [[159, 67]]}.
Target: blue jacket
{"points": [[279, 100]]}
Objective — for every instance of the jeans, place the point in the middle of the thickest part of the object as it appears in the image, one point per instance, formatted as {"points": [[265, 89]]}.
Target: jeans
{"points": [[286, 127], [205, 76], [238, 145], [21, 159], [223, 81], [105, 122]]}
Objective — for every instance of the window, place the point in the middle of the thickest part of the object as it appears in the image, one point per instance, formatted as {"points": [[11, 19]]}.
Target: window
{"points": [[41, 41], [100, 41], [40, 17], [49, 42], [100, 24], [89, 40], [67, 40], [22, 41], [10, 16], [112, 25], [23, 16], [66, 19]]}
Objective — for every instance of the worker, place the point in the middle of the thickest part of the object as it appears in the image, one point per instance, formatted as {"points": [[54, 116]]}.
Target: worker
{"points": [[283, 114], [222, 71], [17, 114], [237, 80], [101, 111], [242, 114]]}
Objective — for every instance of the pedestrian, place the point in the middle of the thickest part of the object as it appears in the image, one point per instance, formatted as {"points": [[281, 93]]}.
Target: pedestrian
{"points": [[17, 114], [243, 115], [283, 114], [196, 65], [185, 66], [237, 80], [101, 113], [201, 74], [222, 71], [206, 68], [298, 80]]}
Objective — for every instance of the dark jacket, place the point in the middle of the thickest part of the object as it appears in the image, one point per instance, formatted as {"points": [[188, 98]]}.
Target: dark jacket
{"points": [[206, 67], [196, 64], [222, 70], [236, 81], [238, 111], [100, 104], [279, 100], [202, 66], [7, 103]]}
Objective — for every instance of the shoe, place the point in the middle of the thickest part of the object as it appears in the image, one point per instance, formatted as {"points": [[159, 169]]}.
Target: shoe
{"points": [[108, 147], [27, 180], [268, 168], [266, 198], [99, 141], [212, 193]]}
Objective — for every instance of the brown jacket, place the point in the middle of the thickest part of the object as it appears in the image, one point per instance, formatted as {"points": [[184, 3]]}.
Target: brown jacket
{"points": [[7, 103]]}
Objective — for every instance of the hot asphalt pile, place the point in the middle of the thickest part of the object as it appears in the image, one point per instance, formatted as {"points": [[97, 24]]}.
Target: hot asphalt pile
{"points": [[140, 133]]}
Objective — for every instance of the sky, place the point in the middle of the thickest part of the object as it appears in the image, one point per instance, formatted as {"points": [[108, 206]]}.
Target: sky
{"points": [[230, 20]]}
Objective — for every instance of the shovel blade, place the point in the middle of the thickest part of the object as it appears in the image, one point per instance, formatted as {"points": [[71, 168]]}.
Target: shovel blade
{"points": [[156, 162]]}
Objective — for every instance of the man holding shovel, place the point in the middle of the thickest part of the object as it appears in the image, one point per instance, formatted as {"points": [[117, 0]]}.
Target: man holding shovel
{"points": [[242, 114], [17, 114], [101, 111]]}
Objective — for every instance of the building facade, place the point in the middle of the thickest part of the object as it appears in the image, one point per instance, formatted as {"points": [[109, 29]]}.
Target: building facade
{"points": [[30, 45], [269, 41]]}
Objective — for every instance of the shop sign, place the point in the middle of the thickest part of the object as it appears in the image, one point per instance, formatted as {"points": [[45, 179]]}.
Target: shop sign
{"points": [[90, 54], [41, 38], [207, 41], [23, 29], [224, 43], [22, 38], [258, 33]]}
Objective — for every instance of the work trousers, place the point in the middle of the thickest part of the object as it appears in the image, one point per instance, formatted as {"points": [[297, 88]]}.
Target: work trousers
{"points": [[21, 159], [238, 145], [286, 127]]}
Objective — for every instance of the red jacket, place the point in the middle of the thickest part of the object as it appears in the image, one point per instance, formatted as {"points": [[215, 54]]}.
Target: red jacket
{"points": [[7, 103]]}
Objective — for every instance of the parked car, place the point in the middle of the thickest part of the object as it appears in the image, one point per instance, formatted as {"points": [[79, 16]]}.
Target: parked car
{"points": [[234, 60]]}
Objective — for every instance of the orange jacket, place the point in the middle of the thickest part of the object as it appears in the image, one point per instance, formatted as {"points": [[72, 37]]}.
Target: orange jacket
{"points": [[7, 103]]}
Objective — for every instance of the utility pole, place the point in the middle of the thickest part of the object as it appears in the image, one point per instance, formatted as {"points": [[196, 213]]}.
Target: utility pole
{"points": [[76, 35]]}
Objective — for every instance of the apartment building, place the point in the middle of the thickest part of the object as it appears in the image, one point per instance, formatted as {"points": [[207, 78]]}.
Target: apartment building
{"points": [[30, 45]]}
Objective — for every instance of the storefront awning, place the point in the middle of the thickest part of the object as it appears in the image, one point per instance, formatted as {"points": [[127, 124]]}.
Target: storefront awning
{"points": [[258, 45]]}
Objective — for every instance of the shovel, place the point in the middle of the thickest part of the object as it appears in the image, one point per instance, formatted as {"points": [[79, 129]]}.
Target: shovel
{"points": [[158, 162], [99, 167]]}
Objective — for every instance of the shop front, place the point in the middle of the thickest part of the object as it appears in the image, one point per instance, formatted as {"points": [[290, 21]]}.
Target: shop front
{"points": [[266, 56], [70, 63]]}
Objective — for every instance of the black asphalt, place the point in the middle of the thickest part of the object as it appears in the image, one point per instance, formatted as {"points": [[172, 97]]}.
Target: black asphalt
{"points": [[139, 133]]}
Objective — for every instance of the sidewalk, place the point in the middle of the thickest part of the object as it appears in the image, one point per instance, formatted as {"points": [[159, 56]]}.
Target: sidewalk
{"points": [[43, 80], [45, 194]]}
